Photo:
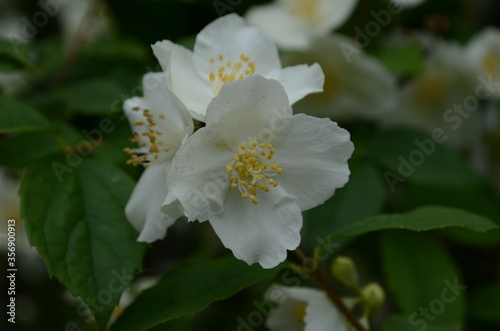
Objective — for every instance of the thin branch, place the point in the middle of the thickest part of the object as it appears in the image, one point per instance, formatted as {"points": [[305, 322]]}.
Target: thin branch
{"points": [[76, 45]]}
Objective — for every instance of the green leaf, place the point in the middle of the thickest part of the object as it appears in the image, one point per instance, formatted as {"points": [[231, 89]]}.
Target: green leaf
{"points": [[422, 278], [463, 237], [403, 60], [189, 288], [74, 214], [485, 303], [362, 196], [20, 150], [111, 148], [439, 166], [399, 323], [16, 116], [482, 201], [23, 149], [12, 56], [421, 219], [116, 49], [92, 97]]}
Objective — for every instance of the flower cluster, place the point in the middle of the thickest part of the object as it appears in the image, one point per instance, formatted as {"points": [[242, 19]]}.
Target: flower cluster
{"points": [[252, 166]]}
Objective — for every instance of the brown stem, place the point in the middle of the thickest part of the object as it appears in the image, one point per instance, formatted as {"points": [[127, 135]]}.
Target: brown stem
{"points": [[320, 278], [76, 45]]}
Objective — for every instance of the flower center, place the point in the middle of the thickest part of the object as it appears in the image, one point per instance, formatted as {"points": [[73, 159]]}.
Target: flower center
{"points": [[251, 169], [430, 93], [304, 9], [150, 142], [300, 313], [228, 71], [491, 63], [332, 87]]}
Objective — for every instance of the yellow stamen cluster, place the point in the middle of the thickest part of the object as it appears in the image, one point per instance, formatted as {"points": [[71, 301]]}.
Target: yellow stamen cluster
{"points": [[227, 71], [491, 63], [306, 10], [150, 137], [332, 88], [300, 313], [429, 93], [251, 169]]}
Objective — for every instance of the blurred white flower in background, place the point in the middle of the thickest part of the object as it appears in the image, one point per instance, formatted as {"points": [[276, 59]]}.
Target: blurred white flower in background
{"points": [[26, 255], [484, 50], [11, 23], [11, 31], [439, 97], [297, 24], [83, 19], [9, 199], [227, 50], [360, 88], [14, 82], [303, 309]]}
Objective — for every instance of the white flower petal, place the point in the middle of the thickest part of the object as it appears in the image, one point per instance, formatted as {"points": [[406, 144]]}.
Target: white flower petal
{"points": [[282, 318], [321, 314], [313, 154], [170, 114], [132, 115], [181, 77], [197, 176], [284, 29], [163, 50], [231, 37], [300, 80], [172, 207], [143, 209], [297, 24], [484, 50], [260, 232], [249, 109]]}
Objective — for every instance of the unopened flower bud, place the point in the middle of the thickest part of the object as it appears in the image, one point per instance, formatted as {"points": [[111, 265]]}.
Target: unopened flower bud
{"points": [[373, 295], [344, 270]]}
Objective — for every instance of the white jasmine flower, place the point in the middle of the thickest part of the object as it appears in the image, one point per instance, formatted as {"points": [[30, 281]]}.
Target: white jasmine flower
{"points": [[362, 87], [296, 24], [255, 167], [228, 50], [160, 124], [484, 50], [303, 309]]}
